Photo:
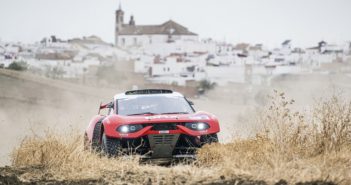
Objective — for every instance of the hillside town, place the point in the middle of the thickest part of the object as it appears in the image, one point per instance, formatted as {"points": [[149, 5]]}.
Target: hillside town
{"points": [[169, 53]]}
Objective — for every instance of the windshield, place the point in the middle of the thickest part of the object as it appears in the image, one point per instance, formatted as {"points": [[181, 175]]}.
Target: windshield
{"points": [[153, 105]]}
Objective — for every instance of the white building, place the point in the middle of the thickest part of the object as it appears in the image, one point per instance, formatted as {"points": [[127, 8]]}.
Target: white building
{"points": [[286, 47], [179, 46], [2, 50], [129, 35]]}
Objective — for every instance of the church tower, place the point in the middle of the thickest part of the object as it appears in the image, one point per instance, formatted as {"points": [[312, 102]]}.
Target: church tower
{"points": [[119, 22]]}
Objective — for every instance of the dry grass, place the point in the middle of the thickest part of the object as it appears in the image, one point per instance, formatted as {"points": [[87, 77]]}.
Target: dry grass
{"points": [[291, 146], [62, 157]]}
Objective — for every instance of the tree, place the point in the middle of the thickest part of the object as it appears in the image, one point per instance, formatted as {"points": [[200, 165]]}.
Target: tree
{"points": [[205, 85], [18, 66]]}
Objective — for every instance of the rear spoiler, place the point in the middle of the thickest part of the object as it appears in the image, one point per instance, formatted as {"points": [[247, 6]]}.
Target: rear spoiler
{"points": [[104, 106]]}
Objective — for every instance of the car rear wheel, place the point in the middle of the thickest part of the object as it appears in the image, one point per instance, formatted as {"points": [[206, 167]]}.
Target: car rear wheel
{"points": [[208, 139], [110, 146]]}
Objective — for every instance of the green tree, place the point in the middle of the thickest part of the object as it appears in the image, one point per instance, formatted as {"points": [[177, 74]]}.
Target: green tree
{"points": [[18, 66], [205, 85]]}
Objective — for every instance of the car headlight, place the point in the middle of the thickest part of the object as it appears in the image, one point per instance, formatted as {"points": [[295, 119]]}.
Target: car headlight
{"points": [[197, 126], [129, 128]]}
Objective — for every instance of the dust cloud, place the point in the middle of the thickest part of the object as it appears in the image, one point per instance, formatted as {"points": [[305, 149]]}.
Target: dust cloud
{"points": [[31, 105]]}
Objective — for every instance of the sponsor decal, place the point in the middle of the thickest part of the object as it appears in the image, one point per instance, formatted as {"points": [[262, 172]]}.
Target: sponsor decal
{"points": [[163, 132], [199, 117], [161, 117]]}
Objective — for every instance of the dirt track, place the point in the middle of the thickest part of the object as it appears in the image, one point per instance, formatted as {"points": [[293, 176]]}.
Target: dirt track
{"points": [[13, 176]]}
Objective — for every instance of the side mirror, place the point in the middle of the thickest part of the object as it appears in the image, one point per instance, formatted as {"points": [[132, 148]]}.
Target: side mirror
{"points": [[104, 106], [109, 105]]}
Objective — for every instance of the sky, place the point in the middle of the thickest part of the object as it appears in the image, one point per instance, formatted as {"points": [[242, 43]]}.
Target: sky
{"points": [[269, 22]]}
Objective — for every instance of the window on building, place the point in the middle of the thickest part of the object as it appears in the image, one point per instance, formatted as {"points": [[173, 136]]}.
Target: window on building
{"points": [[123, 41], [135, 41]]}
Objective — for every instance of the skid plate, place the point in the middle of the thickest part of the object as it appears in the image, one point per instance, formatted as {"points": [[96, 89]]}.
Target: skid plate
{"points": [[162, 145]]}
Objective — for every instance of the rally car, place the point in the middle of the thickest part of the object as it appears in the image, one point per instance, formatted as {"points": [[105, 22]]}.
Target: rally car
{"points": [[154, 123]]}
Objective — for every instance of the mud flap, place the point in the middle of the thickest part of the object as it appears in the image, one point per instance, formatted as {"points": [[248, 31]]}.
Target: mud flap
{"points": [[162, 145]]}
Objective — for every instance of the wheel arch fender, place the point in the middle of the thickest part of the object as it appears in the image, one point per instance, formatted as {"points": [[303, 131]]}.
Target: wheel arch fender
{"points": [[90, 129], [110, 124]]}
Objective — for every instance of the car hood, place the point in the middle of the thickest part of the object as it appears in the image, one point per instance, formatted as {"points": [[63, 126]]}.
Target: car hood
{"points": [[198, 116]]}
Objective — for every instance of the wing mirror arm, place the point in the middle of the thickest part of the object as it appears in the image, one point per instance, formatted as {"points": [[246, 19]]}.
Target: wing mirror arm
{"points": [[191, 103], [104, 106]]}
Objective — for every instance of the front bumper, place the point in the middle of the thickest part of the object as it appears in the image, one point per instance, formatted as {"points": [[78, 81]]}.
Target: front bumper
{"points": [[110, 131], [161, 140]]}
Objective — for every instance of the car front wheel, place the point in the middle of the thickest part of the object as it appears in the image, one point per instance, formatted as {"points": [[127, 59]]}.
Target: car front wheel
{"points": [[110, 146], [208, 139]]}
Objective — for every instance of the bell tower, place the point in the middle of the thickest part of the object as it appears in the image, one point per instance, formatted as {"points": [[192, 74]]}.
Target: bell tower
{"points": [[119, 22], [132, 21]]}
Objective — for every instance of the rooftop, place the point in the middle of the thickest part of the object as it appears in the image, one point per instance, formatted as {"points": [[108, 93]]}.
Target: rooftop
{"points": [[169, 27], [286, 42]]}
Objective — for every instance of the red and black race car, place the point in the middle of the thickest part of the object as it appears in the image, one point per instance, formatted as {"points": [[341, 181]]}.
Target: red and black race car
{"points": [[154, 123]]}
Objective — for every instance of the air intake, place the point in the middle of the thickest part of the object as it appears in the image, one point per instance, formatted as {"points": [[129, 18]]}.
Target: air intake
{"points": [[149, 91]]}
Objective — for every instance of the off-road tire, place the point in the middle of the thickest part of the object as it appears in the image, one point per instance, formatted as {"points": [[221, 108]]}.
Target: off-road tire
{"points": [[96, 141], [208, 139], [110, 146]]}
